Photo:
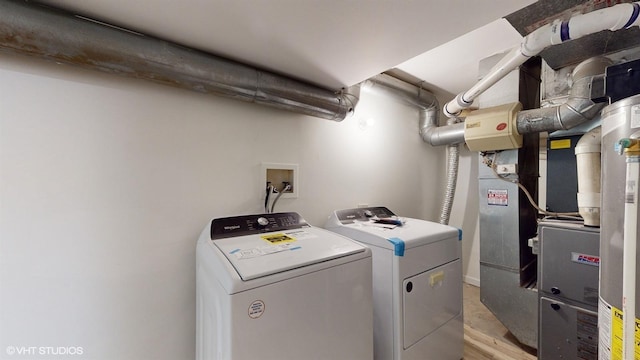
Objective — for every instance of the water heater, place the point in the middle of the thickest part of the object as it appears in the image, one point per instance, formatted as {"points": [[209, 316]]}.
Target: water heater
{"points": [[619, 120]]}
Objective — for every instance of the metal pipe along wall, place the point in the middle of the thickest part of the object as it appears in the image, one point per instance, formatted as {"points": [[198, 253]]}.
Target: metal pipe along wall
{"points": [[34, 30]]}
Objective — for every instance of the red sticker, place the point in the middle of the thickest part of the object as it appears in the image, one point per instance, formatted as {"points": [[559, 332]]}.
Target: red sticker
{"points": [[501, 126]]}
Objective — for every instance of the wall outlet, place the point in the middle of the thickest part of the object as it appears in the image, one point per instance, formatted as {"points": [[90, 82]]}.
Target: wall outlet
{"points": [[279, 175]]}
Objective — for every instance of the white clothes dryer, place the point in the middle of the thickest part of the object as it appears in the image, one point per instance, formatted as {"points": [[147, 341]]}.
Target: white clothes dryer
{"points": [[417, 283]]}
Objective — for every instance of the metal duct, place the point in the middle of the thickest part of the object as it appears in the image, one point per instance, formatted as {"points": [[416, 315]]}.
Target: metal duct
{"points": [[621, 16], [428, 109], [34, 30], [577, 109]]}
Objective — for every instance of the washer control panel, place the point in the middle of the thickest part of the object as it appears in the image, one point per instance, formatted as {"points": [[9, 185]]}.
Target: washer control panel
{"points": [[255, 224]]}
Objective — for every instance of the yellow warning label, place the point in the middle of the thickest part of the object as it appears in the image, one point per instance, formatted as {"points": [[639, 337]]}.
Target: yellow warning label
{"points": [[560, 144], [278, 238], [616, 335]]}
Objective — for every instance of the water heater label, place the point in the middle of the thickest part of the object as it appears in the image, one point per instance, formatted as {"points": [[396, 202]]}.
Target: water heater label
{"points": [[610, 323], [604, 330], [498, 197], [617, 334]]}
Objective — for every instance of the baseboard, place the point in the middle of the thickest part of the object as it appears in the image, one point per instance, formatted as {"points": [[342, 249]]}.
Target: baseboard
{"points": [[471, 280]]}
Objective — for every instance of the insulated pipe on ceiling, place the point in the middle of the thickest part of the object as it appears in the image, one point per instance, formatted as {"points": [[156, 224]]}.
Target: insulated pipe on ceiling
{"points": [[34, 30], [621, 16]]}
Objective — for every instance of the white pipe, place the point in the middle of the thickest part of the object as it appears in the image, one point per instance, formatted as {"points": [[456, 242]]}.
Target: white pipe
{"points": [[588, 167], [629, 261], [621, 16], [509, 62], [629, 267]]}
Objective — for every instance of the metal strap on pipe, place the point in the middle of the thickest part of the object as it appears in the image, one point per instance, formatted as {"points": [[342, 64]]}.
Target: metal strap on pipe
{"points": [[34, 30]]}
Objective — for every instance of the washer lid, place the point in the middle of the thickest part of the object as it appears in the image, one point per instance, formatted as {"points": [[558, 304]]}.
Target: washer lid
{"points": [[257, 255]]}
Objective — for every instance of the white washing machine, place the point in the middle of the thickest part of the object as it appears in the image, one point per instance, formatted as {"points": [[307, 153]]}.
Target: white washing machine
{"points": [[417, 283], [273, 287]]}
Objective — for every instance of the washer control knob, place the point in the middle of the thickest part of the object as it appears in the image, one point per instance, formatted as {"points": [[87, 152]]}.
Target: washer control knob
{"points": [[262, 221], [368, 213]]}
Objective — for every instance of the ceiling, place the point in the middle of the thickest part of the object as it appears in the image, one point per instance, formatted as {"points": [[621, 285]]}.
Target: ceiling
{"points": [[332, 43]]}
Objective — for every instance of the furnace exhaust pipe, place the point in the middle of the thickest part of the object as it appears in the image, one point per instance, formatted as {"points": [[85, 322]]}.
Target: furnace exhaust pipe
{"points": [[621, 16]]}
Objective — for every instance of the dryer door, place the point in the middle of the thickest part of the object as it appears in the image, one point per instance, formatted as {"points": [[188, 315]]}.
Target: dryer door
{"points": [[430, 299]]}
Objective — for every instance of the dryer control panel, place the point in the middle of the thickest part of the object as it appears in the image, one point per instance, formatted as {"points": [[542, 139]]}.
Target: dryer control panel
{"points": [[348, 216], [255, 224]]}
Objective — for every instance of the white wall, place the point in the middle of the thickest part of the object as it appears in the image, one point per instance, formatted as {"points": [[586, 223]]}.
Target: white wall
{"points": [[106, 183], [464, 214]]}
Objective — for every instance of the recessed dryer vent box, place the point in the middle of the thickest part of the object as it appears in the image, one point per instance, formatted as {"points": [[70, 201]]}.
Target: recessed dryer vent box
{"points": [[493, 128], [279, 175]]}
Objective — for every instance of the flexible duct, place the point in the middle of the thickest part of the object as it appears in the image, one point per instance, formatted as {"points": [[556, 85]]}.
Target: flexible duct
{"points": [[621, 16], [453, 156], [428, 115], [29, 29]]}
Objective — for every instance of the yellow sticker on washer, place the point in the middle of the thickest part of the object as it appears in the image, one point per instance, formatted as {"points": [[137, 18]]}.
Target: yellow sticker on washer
{"points": [[278, 238]]}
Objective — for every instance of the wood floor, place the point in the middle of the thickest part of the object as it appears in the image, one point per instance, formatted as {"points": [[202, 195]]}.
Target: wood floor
{"points": [[484, 336]]}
